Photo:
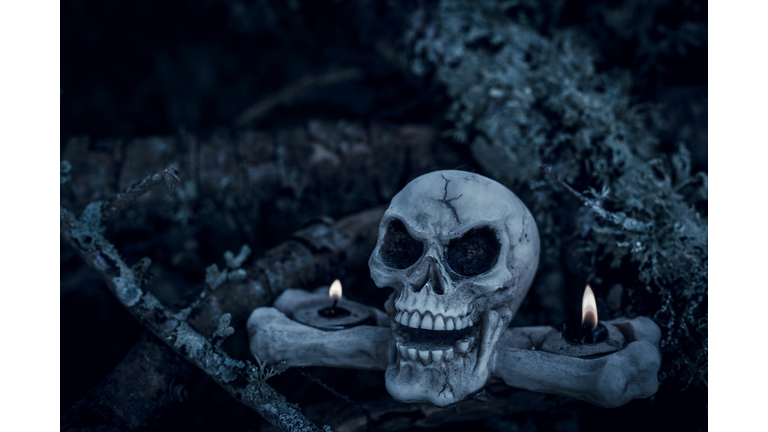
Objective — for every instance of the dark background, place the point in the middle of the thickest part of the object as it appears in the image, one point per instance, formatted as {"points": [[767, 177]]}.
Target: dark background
{"points": [[142, 68]]}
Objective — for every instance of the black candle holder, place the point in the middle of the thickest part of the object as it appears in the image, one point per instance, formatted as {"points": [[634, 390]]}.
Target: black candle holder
{"points": [[576, 333], [573, 339], [334, 317], [333, 311]]}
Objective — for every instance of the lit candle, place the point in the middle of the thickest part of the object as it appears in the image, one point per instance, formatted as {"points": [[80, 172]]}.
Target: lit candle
{"points": [[342, 314], [334, 292], [588, 338], [590, 331], [588, 309]]}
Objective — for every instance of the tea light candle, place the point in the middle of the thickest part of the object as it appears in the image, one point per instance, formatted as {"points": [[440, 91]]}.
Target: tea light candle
{"points": [[587, 339], [332, 312]]}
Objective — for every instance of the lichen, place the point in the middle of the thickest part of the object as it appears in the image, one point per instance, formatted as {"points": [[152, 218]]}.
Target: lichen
{"points": [[65, 172], [262, 373], [127, 290], [193, 342], [214, 277], [224, 330], [238, 275], [88, 232], [235, 262], [151, 302], [229, 369]]}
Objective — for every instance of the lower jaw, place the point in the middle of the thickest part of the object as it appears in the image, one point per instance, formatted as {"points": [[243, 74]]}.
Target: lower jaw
{"points": [[441, 383]]}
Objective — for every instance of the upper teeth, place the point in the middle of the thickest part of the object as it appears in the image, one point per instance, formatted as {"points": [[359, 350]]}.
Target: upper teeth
{"points": [[425, 320]]}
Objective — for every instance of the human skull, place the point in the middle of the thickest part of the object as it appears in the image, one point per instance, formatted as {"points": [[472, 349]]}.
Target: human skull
{"points": [[460, 251]]}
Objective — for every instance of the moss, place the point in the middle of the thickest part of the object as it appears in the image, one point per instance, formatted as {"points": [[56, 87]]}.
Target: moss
{"points": [[522, 99]]}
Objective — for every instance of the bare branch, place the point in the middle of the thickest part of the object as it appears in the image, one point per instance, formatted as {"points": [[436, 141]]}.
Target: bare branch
{"points": [[112, 207], [619, 219], [232, 375]]}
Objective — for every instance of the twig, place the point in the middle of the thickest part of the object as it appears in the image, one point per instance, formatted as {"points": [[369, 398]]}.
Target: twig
{"points": [[316, 252], [294, 91], [86, 237], [112, 207], [619, 219]]}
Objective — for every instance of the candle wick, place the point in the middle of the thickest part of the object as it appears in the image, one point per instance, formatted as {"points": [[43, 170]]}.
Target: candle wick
{"points": [[335, 300]]}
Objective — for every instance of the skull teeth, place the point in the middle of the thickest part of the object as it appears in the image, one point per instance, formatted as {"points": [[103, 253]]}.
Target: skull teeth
{"points": [[424, 356], [448, 354], [462, 346], [404, 318], [412, 353], [427, 321], [403, 351], [415, 320], [439, 323]]}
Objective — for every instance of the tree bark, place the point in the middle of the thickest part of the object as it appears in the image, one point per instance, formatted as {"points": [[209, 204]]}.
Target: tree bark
{"points": [[149, 379]]}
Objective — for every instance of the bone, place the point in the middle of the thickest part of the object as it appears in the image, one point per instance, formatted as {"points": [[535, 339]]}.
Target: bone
{"points": [[275, 337], [609, 381]]}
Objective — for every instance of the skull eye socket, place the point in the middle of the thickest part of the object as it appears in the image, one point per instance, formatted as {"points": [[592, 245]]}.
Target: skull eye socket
{"points": [[475, 252], [399, 250]]}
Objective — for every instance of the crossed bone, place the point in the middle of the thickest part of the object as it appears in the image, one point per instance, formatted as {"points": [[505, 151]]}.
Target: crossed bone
{"points": [[609, 381]]}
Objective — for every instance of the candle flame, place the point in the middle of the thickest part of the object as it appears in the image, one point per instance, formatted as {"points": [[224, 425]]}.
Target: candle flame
{"points": [[335, 290], [589, 309]]}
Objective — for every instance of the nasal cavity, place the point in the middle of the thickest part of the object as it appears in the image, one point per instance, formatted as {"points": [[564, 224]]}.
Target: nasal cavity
{"points": [[434, 278]]}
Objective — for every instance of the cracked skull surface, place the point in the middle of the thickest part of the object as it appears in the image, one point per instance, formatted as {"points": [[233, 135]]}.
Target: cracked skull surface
{"points": [[460, 251]]}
